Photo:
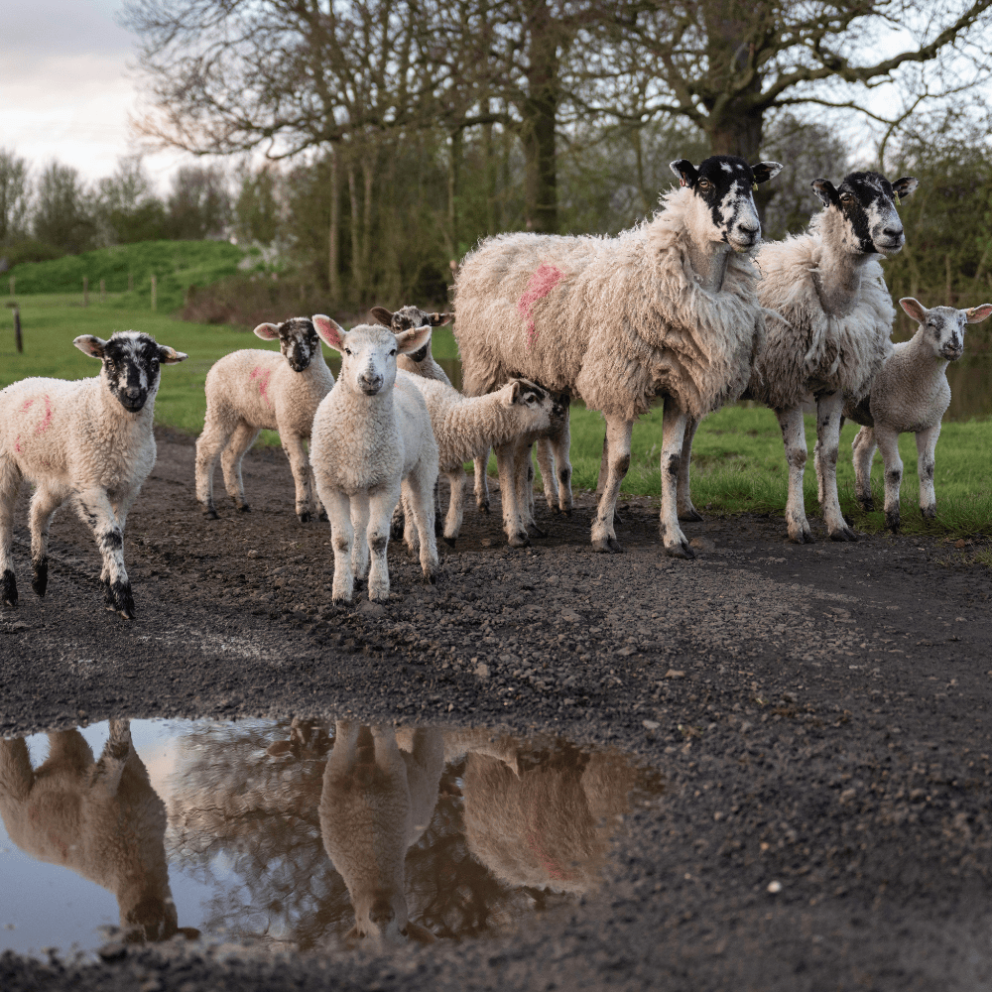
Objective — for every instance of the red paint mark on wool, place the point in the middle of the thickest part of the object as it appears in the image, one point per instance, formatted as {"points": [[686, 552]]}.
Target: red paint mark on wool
{"points": [[45, 421], [27, 405], [551, 865], [544, 279], [17, 444], [263, 376]]}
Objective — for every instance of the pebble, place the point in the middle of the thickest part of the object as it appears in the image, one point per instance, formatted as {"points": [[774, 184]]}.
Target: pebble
{"points": [[650, 724], [774, 887], [372, 609]]}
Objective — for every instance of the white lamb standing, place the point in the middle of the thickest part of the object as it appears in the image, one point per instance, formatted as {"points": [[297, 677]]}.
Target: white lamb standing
{"points": [[377, 801], [828, 288], [372, 438], [466, 427], [665, 311], [910, 393], [251, 390], [88, 441]]}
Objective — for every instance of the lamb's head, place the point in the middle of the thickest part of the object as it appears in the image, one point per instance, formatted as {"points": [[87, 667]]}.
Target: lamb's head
{"points": [[723, 201], [131, 362], [943, 327], [860, 214], [368, 352], [297, 340], [535, 404], [409, 317]]}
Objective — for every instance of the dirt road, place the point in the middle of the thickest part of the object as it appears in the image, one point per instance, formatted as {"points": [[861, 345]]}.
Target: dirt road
{"points": [[820, 715]]}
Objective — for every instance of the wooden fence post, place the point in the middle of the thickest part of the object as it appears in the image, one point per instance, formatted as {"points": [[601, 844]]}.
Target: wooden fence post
{"points": [[17, 326], [86, 291], [154, 290]]}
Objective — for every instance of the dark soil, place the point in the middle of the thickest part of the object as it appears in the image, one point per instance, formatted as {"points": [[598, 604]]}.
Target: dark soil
{"points": [[820, 715]]}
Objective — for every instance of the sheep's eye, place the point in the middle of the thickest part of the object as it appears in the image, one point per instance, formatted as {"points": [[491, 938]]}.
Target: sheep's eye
{"points": [[846, 198], [705, 184], [347, 351], [393, 352]]}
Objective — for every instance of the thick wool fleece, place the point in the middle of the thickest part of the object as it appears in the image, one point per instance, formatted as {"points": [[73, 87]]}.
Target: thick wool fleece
{"points": [[807, 350], [617, 320]]}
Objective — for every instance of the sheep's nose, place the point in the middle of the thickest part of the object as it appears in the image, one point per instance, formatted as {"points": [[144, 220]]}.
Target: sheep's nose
{"points": [[751, 229], [133, 392], [381, 913], [892, 232], [370, 382]]}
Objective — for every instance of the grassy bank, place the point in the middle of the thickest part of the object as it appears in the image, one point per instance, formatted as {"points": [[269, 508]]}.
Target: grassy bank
{"points": [[738, 461]]}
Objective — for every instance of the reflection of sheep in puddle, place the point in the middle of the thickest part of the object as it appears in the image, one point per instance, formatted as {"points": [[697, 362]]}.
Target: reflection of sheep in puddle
{"points": [[102, 819]]}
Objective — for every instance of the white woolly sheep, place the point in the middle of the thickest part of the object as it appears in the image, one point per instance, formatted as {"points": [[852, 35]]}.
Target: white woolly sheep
{"points": [[827, 286], [88, 441], [251, 390], [666, 310], [465, 426], [910, 393], [372, 436], [376, 803]]}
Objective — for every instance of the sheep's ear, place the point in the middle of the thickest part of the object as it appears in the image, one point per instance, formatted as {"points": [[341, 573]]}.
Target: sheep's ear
{"points": [[267, 332], [686, 172], [914, 308], [414, 931], [764, 171], [381, 316], [824, 189], [904, 187], [515, 392], [331, 333], [440, 319], [413, 340], [90, 344], [977, 314], [169, 356]]}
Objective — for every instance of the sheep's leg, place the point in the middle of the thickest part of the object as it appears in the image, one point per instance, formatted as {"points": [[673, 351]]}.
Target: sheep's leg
{"points": [[456, 510], [687, 511], [16, 774], [482, 482], [604, 475], [561, 441], [109, 769], [794, 438], [299, 464], [926, 449], [381, 506], [10, 483], [242, 439], [44, 503], [360, 512], [863, 447], [604, 537], [888, 445], [67, 752], [673, 440], [829, 412], [546, 463], [506, 461], [342, 537], [318, 507], [95, 510], [419, 485], [209, 446], [525, 484]]}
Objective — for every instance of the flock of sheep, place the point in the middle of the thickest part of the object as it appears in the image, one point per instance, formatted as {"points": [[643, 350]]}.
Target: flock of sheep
{"points": [[690, 308]]}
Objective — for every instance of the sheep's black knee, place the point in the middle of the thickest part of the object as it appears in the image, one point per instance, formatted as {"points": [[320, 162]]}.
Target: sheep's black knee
{"points": [[674, 465], [378, 544], [40, 581], [112, 540], [8, 588], [622, 465]]}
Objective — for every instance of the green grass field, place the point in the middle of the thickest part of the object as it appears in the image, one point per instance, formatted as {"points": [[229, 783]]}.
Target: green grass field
{"points": [[738, 462]]}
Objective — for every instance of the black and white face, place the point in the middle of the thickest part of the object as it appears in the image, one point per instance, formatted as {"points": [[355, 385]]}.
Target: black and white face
{"points": [[131, 364], [407, 318], [725, 184], [297, 338], [867, 203], [944, 327]]}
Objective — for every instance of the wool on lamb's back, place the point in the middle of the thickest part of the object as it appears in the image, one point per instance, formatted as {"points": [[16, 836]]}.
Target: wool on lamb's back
{"points": [[809, 350], [616, 320]]}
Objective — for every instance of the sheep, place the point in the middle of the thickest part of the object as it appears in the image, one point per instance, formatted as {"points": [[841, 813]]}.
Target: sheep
{"points": [[376, 802], [254, 389], [828, 288], [102, 819], [464, 427], [88, 441], [421, 362], [909, 393], [666, 310], [371, 434]]}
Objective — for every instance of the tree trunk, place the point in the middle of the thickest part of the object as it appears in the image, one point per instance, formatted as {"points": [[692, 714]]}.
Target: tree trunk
{"points": [[357, 276], [333, 249], [454, 191], [368, 176], [489, 165]]}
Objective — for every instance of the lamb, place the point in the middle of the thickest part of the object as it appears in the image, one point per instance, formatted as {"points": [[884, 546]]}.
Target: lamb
{"points": [[910, 393], [88, 441], [102, 819], [421, 362], [465, 428], [828, 288], [376, 802], [667, 310], [254, 389], [371, 434]]}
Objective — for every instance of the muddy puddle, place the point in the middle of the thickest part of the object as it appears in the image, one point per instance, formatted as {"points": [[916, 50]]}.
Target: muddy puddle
{"points": [[299, 834]]}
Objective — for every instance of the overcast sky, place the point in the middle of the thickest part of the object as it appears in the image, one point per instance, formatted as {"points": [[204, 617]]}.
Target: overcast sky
{"points": [[65, 87]]}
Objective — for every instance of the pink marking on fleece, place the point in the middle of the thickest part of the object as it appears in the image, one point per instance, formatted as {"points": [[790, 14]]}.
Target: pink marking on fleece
{"points": [[17, 444], [45, 421], [27, 405], [544, 279], [263, 376]]}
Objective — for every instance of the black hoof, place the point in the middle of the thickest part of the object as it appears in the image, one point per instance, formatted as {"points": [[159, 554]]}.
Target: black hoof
{"points": [[567, 511], [694, 517], [341, 602], [867, 505], [536, 531], [40, 581], [681, 550], [928, 512], [323, 517], [892, 522], [482, 508], [608, 545], [304, 517], [844, 535], [8, 588], [211, 513], [805, 537], [430, 578], [244, 508], [123, 601], [450, 541], [617, 519], [519, 540]]}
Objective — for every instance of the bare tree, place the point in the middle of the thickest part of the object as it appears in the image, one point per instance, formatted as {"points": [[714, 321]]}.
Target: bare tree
{"points": [[14, 193]]}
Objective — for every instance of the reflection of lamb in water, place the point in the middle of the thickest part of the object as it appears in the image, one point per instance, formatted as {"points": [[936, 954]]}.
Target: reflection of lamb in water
{"points": [[102, 819], [376, 803]]}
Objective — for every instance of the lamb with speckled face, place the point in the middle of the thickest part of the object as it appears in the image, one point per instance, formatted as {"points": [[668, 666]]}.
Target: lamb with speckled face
{"points": [[253, 390], [88, 442], [910, 393], [667, 311]]}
